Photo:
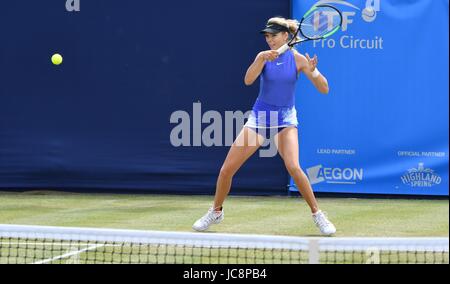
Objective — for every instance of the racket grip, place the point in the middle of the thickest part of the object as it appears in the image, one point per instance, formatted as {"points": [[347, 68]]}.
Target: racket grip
{"points": [[283, 49]]}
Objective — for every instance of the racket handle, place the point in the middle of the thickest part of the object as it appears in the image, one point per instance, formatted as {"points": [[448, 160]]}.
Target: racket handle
{"points": [[283, 49]]}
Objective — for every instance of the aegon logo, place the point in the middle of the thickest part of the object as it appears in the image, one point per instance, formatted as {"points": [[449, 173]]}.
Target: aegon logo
{"points": [[318, 174]]}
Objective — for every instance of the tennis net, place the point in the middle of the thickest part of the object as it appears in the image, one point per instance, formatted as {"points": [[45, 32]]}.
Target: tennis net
{"points": [[63, 245]]}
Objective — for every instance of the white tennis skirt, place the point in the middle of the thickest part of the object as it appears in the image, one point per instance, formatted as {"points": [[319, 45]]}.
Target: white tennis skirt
{"points": [[269, 116]]}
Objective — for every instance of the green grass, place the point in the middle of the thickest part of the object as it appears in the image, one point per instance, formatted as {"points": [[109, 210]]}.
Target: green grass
{"points": [[255, 215]]}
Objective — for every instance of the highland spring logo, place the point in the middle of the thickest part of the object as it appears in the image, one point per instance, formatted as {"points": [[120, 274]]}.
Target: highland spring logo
{"points": [[421, 177]]}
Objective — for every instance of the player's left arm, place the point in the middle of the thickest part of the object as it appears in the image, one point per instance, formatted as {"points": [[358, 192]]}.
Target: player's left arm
{"points": [[308, 66]]}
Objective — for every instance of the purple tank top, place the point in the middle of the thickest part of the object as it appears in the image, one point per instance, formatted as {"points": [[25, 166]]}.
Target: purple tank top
{"points": [[277, 81]]}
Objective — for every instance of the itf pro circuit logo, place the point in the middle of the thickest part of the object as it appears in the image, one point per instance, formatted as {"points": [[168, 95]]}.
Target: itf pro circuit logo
{"points": [[368, 12], [421, 177], [318, 174], [350, 13]]}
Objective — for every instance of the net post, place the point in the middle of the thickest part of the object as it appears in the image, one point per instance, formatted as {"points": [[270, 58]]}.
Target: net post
{"points": [[313, 251]]}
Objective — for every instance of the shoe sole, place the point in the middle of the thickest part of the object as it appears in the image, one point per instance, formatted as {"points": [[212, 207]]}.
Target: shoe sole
{"points": [[202, 230]]}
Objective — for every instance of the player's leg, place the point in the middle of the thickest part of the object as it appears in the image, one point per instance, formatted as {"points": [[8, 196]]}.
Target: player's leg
{"points": [[287, 143], [247, 142]]}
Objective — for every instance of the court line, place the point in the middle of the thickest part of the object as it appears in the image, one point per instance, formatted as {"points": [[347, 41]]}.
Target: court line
{"points": [[41, 244], [67, 254]]}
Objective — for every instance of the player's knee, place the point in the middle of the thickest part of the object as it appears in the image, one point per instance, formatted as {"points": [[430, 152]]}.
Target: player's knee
{"points": [[226, 172], [293, 168]]}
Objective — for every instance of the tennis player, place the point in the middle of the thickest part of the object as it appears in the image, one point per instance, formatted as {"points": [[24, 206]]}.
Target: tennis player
{"points": [[278, 76]]}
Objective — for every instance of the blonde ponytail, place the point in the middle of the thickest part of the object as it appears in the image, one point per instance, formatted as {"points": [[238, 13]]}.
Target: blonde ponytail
{"points": [[290, 24]]}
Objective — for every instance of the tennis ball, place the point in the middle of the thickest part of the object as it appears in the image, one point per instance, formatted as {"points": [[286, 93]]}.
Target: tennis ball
{"points": [[369, 14], [57, 59]]}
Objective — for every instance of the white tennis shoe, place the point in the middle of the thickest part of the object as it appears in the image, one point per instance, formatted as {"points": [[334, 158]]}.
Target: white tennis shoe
{"points": [[210, 218], [322, 222]]}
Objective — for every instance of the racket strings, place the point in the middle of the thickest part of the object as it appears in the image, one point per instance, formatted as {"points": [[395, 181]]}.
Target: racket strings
{"points": [[320, 22]]}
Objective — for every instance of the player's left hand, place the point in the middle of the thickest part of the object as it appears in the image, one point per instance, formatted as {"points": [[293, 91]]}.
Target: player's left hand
{"points": [[312, 62]]}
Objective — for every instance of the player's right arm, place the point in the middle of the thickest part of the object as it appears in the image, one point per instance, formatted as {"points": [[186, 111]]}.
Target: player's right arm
{"points": [[257, 66]]}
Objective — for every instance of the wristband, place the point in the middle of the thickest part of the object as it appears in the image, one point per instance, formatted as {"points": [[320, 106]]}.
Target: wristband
{"points": [[315, 73]]}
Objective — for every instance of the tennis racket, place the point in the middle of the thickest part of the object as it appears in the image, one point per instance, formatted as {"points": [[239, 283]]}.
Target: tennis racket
{"points": [[319, 22]]}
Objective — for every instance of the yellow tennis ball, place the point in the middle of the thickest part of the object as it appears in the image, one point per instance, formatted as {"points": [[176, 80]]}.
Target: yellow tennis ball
{"points": [[57, 59]]}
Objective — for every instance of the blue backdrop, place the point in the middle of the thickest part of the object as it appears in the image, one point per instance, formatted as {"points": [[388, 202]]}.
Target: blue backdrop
{"points": [[101, 119], [383, 128]]}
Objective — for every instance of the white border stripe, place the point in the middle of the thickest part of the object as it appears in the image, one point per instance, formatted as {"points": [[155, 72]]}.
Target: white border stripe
{"points": [[219, 240]]}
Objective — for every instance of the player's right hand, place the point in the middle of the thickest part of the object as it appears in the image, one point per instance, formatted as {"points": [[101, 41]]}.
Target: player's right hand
{"points": [[269, 55]]}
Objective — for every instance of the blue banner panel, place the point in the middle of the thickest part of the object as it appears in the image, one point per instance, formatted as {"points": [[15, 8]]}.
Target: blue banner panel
{"points": [[102, 119], [383, 127]]}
